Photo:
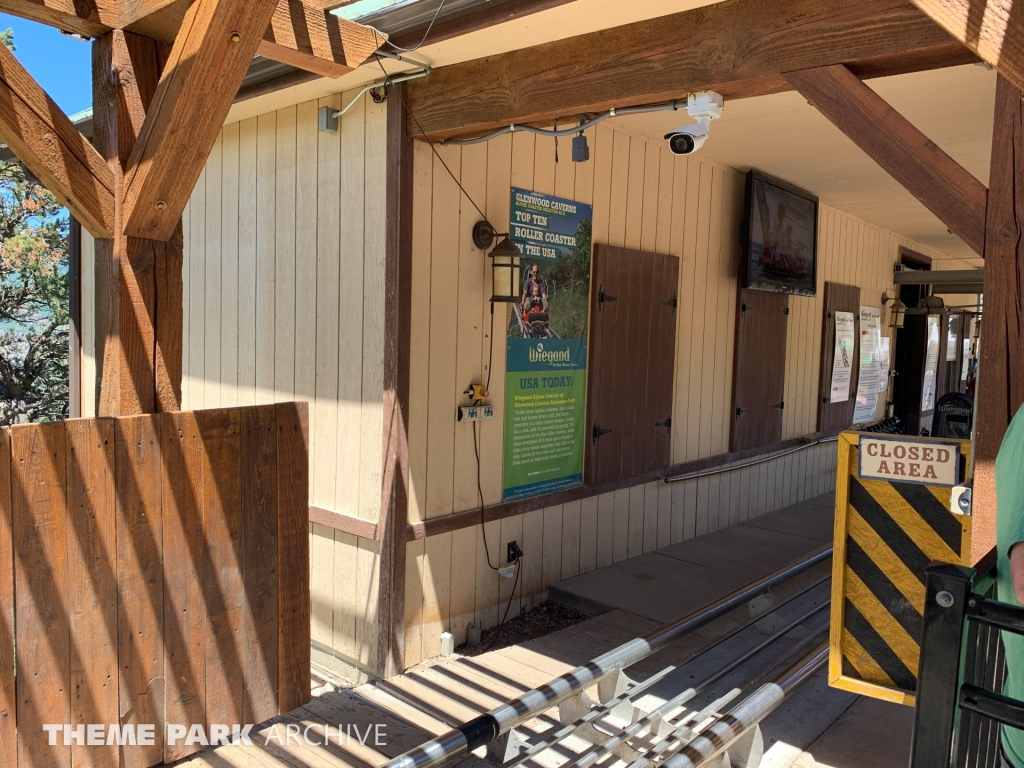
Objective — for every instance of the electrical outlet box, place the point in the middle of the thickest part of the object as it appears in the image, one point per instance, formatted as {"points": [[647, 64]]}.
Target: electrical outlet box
{"points": [[476, 412], [514, 552]]}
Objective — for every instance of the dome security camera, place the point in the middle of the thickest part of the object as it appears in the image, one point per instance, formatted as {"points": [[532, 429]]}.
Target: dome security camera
{"points": [[703, 106]]}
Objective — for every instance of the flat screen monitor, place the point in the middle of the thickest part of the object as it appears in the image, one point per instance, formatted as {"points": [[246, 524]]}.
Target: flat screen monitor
{"points": [[781, 248]]}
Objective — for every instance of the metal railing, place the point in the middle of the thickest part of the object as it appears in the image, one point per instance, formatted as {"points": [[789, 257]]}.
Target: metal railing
{"points": [[960, 707], [487, 728], [749, 463]]}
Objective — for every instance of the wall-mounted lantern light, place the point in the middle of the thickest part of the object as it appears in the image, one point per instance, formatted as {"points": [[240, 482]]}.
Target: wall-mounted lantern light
{"points": [[505, 262], [897, 312]]}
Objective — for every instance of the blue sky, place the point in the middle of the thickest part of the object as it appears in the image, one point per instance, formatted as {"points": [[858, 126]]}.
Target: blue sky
{"points": [[61, 64]]}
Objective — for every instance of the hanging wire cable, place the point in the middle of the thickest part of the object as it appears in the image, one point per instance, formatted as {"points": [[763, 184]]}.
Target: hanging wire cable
{"points": [[584, 125], [425, 34], [490, 362], [419, 126]]}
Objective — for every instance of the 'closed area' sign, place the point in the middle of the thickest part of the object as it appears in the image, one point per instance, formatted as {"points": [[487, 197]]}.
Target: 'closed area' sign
{"points": [[931, 462]]}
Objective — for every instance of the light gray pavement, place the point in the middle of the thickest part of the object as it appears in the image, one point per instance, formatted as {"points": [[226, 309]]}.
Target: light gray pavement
{"points": [[818, 725]]}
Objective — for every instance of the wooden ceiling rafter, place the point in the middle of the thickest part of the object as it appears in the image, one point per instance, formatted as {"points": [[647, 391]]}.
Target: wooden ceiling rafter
{"points": [[302, 33], [941, 184], [316, 40]]}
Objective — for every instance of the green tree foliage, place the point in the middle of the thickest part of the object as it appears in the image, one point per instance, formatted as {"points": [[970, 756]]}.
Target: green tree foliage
{"points": [[34, 300]]}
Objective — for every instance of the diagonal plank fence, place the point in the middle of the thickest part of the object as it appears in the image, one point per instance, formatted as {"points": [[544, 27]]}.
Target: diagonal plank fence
{"points": [[154, 572]]}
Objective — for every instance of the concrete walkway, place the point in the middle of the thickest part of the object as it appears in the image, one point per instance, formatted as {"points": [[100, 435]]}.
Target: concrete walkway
{"points": [[819, 726]]}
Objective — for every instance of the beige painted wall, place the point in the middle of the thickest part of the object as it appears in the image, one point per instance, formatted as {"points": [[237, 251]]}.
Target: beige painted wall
{"points": [[284, 247], [284, 300], [644, 198]]}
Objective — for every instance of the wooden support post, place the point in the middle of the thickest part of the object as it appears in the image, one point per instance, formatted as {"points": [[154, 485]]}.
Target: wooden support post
{"points": [[1001, 372], [138, 281], [397, 321]]}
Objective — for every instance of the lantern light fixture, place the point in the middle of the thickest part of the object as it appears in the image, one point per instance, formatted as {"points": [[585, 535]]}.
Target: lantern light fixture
{"points": [[505, 261], [897, 312]]}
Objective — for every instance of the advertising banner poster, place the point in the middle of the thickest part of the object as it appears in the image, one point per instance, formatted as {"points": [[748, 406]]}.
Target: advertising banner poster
{"points": [[546, 357], [870, 363], [842, 362]]}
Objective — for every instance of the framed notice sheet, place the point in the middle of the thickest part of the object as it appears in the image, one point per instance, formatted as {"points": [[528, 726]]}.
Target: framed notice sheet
{"points": [[842, 362], [870, 363], [931, 365]]}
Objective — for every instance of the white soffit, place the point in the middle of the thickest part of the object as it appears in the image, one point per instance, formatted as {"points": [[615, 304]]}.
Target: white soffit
{"points": [[784, 136]]}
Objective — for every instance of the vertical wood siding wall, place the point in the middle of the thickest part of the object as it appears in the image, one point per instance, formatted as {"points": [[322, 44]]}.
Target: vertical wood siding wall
{"points": [[283, 290], [643, 198], [284, 300]]}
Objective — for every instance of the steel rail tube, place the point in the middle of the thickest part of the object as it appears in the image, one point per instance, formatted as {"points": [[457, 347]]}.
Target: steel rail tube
{"points": [[641, 687], [681, 738], [744, 465], [717, 738], [600, 750], [487, 727]]}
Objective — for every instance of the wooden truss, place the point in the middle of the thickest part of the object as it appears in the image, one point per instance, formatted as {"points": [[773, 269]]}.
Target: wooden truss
{"points": [[165, 73]]}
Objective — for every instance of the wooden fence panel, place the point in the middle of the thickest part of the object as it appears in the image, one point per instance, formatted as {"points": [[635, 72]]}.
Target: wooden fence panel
{"points": [[184, 602], [92, 588], [221, 494], [259, 547], [293, 553], [8, 708], [153, 570], [140, 576], [42, 624]]}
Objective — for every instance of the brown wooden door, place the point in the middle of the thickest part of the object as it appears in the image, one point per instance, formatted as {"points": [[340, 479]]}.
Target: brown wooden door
{"points": [[631, 363], [759, 377], [838, 298]]}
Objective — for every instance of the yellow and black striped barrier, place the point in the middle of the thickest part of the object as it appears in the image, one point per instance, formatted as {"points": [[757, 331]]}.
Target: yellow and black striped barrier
{"points": [[892, 519]]}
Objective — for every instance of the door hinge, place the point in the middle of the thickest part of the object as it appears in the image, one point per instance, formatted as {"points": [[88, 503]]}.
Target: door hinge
{"points": [[597, 432], [781, 406], [602, 297], [784, 310], [740, 411], [746, 308], [673, 302], [666, 423]]}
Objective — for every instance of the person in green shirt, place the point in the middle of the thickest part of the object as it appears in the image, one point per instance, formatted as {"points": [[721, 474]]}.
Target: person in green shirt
{"points": [[1010, 568]]}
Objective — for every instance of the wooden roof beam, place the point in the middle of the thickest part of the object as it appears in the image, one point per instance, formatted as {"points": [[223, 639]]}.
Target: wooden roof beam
{"points": [[49, 144], [957, 198], [302, 33], [740, 48], [993, 29], [316, 40], [89, 19], [207, 63]]}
